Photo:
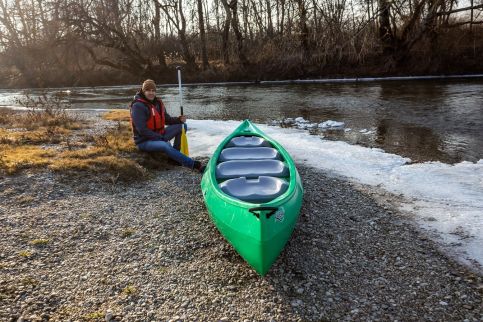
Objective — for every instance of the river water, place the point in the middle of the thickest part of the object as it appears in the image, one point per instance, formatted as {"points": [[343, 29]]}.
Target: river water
{"points": [[421, 120]]}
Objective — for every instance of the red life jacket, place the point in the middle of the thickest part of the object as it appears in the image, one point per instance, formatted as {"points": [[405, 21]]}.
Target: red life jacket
{"points": [[156, 121]]}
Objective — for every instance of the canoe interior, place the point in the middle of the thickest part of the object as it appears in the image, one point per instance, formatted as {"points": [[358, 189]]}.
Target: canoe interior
{"points": [[250, 168]]}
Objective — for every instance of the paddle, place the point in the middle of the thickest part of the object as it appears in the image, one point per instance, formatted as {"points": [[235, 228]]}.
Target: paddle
{"points": [[184, 139]]}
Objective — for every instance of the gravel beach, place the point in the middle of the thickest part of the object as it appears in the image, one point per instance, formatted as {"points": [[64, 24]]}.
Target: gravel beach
{"points": [[86, 250]]}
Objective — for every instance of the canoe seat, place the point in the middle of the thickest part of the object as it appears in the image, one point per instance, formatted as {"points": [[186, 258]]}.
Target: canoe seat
{"points": [[251, 169], [258, 190], [249, 154], [247, 142]]}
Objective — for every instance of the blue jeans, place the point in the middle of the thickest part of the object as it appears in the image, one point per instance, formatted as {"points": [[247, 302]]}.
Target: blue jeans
{"points": [[172, 131]]}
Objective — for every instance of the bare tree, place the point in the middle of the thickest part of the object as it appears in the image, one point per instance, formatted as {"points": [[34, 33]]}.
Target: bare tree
{"points": [[304, 31], [109, 41], [157, 35], [226, 32], [173, 10], [201, 22], [385, 31], [239, 37]]}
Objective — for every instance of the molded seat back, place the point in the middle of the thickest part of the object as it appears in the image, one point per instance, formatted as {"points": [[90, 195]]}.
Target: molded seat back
{"points": [[251, 169], [258, 190], [249, 154], [247, 142]]}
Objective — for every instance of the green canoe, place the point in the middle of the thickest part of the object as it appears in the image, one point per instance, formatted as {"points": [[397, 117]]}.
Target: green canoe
{"points": [[253, 193]]}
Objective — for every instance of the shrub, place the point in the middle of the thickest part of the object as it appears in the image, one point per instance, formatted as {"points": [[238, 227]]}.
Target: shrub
{"points": [[46, 111]]}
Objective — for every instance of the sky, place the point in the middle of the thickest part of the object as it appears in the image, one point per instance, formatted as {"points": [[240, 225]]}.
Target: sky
{"points": [[446, 200]]}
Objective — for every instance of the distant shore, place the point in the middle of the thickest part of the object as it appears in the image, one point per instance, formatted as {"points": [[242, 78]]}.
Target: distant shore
{"points": [[336, 80], [280, 82]]}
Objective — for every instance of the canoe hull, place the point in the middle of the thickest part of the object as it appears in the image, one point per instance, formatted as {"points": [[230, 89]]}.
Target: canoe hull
{"points": [[258, 235]]}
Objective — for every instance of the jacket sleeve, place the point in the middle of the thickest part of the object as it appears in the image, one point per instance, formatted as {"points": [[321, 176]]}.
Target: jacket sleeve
{"points": [[170, 120], [140, 116]]}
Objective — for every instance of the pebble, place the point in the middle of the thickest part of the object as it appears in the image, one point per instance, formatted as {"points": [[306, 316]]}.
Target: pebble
{"points": [[108, 316]]}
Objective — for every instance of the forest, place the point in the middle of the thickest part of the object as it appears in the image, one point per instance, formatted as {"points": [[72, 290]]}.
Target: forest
{"points": [[45, 43]]}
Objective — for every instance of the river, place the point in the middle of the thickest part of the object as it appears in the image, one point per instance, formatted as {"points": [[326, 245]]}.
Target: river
{"points": [[424, 120]]}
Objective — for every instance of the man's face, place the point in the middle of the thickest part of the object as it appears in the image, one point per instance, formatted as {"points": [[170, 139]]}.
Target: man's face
{"points": [[150, 94]]}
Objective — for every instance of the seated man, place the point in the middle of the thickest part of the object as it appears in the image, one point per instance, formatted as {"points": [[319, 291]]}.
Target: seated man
{"points": [[149, 119]]}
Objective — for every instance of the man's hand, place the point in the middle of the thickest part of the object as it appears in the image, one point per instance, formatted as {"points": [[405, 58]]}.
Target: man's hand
{"points": [[182, 118]]}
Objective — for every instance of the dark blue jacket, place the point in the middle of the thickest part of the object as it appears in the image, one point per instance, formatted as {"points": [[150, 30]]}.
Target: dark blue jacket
{"points": [[140, 114]]}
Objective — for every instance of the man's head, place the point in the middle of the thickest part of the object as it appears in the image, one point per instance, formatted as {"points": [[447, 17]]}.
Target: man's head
{"points": [[149, 89]]}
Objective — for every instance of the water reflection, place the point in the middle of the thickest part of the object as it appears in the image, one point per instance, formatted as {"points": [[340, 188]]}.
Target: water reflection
{"points": [[422, 120], [408, 140]]}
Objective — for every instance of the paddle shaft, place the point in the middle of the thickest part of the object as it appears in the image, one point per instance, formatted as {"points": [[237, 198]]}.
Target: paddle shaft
{"points": [[184, 140], [180, 90]]}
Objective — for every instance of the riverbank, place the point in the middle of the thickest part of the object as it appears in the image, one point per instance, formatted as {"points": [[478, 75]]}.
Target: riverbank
{"points": [[83, 250], [320, 80]]}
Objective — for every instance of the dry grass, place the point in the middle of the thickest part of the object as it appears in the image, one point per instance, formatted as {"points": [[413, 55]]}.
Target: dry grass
{"points": [[42, 135], [39, 242], [105, 157], [23, 199], [8, 192], [46, 121], [119, 139], [25, 254], [127, 232], [119, 167], [14, 158], [112, 155], [129, 290], [29, 281], [5, 115], [117, 115], [95, 316]]}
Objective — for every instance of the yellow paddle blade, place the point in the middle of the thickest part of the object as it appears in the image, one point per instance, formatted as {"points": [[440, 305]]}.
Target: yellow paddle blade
{"points": [[184, 143]]}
